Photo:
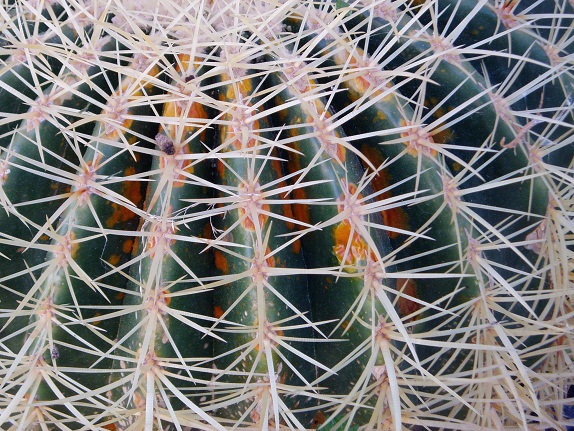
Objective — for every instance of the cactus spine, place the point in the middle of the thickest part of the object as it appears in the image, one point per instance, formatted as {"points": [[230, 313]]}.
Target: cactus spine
{"points": [[259, 215]]}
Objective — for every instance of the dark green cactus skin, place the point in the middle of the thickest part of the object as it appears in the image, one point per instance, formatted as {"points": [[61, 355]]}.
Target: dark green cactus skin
{"points": [[336, 243], [553, 99], [87, 344], [277, 300], [338, 225], [170, 249], [35, 152], [18, 71], [455, 85]]}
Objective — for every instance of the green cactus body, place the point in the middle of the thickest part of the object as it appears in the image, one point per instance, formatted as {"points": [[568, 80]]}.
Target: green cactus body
{"points": [[267, 298], [170, 304], [40, 155], [345, 295], [25, 73], [70, 328], [460, 89], [524, 76], [261, 215], [423, 155]]}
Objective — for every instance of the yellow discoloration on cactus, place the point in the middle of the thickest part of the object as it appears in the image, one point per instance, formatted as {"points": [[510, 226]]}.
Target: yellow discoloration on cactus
{"points": [[240, 133], [370, 80], [174, 160], [350, 248], [97, 322], [446, 134]]}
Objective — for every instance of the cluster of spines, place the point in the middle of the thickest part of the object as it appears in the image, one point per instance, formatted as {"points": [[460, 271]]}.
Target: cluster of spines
{"points": [[152, 389]]}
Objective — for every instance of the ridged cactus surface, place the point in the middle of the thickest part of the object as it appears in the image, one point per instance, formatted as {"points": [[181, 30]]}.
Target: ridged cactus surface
{"points": [[286, 215]]}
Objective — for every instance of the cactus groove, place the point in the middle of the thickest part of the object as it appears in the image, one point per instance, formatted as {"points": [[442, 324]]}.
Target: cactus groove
{"points": [[261, 215]]}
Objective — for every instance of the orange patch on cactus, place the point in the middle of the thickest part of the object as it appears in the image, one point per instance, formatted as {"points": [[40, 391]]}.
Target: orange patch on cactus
{"points": [[405, 305], [244, 135], [319, 419], [221, 262], [296, 246], [252, 203], [288, 212], [114, 259], [367, 77], [349, 242], [331, 141], [240, 130], [397, 218], [301, 211], [132, 191], [417, 140], [444, 135], [207, 231], [97, 322], [350, 246], [287, 209], [394, 217], [127, 246]]}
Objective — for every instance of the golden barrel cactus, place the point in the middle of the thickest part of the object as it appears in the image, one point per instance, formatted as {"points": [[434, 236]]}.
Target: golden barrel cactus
{"points": [[286, 215]]}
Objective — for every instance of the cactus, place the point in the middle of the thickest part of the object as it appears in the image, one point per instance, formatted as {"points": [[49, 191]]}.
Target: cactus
{"points": [[261, 215]]}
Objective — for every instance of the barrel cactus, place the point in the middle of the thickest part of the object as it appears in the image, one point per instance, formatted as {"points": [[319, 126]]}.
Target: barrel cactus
{"points": [[286, 215]]}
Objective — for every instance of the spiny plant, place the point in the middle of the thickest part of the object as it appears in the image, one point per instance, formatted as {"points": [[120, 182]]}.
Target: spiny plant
{"points": [[286, 215]]}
